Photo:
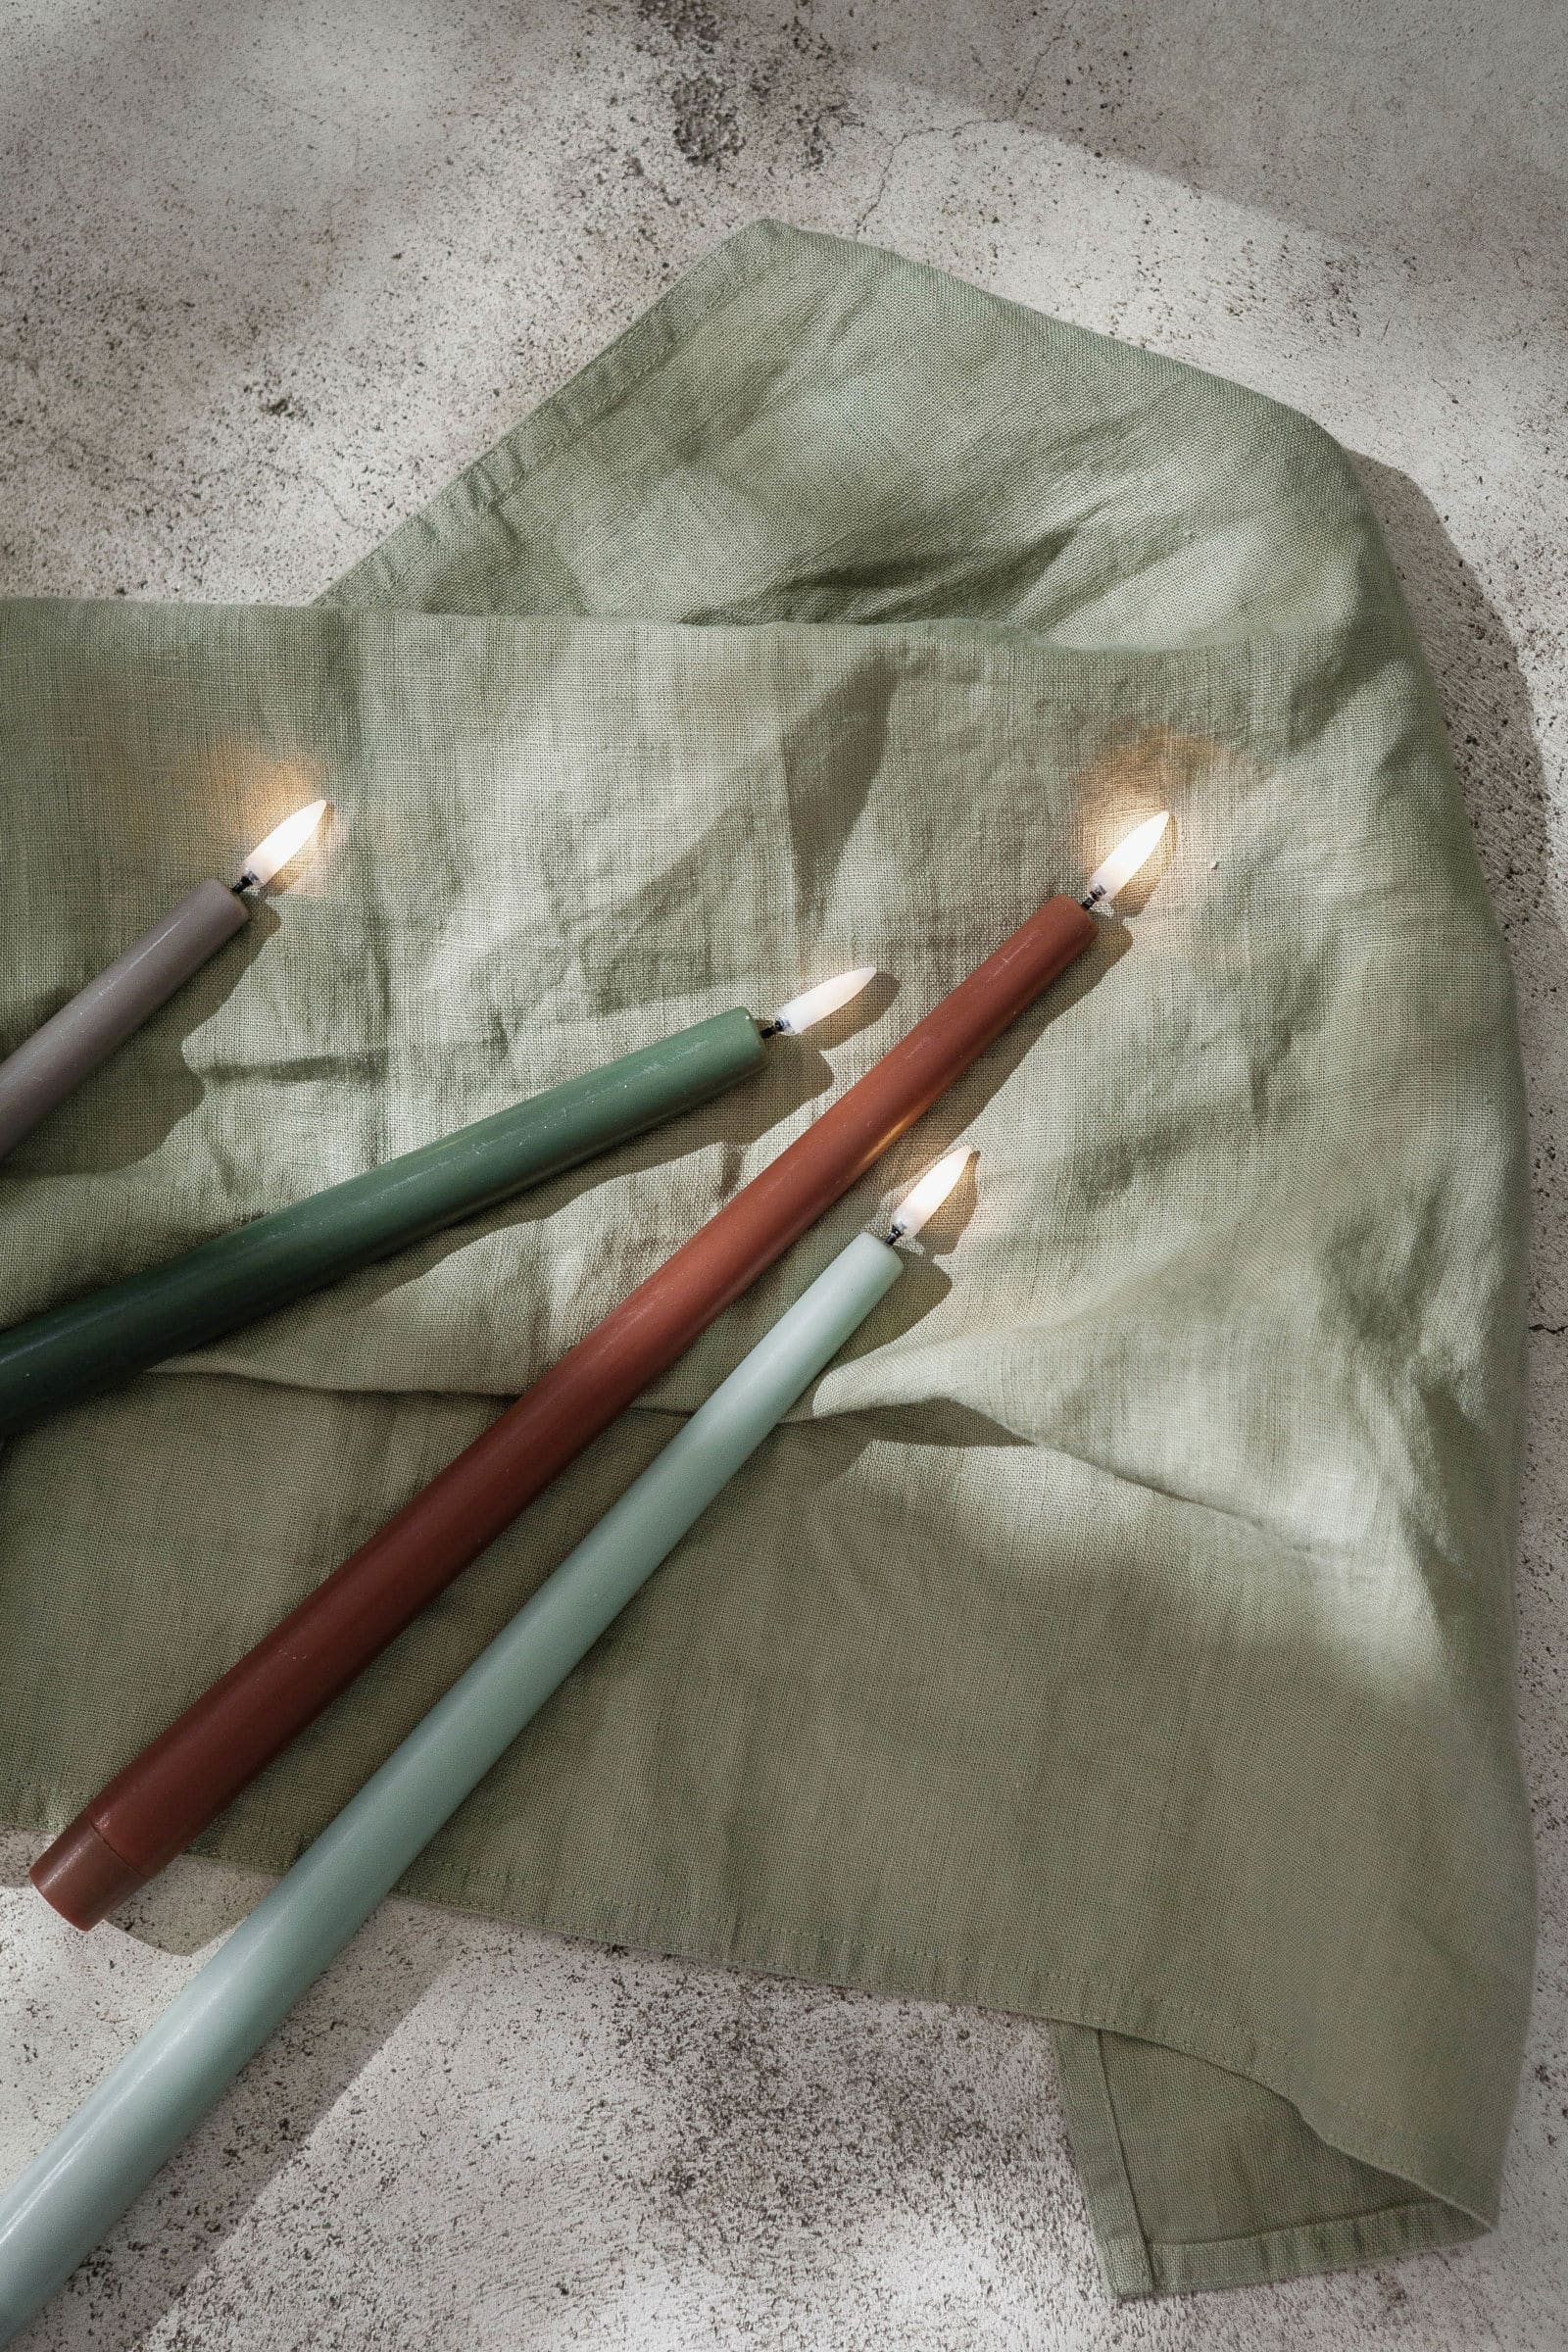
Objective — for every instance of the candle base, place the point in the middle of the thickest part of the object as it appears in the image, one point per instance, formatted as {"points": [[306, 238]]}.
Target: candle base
{"points": [[83, 1877]]}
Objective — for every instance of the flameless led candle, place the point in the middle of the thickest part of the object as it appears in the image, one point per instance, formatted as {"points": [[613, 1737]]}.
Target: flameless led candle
{"points": [[84, 1032], [96, 1342], [1125, 860], [169, 1793], [105, 2156]]}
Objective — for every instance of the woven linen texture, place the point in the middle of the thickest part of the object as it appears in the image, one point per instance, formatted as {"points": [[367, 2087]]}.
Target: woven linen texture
{"points": [[1121, 1633]]}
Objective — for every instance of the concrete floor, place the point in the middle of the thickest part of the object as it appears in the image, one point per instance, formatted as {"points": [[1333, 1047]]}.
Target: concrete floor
{"points": [[268, 277]]}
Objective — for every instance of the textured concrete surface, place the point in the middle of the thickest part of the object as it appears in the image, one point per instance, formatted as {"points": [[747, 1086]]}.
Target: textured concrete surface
{"points": [[268, 277]]}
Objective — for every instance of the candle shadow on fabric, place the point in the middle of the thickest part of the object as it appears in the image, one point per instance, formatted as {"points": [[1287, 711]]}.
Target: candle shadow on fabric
{"points": [[947, 1120], [925, 1282], [796, 1072], [142, 1092]]}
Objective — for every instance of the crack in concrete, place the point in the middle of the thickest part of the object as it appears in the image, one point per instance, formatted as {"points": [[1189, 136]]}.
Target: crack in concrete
{"points": [[928, 130]]}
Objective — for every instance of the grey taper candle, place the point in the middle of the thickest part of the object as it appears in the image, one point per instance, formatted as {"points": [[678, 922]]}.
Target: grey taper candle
{"points": [[86, 1030]]}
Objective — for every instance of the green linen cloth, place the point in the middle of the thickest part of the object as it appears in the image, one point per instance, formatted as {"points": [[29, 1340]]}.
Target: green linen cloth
{"points": [[1121, 1633]]}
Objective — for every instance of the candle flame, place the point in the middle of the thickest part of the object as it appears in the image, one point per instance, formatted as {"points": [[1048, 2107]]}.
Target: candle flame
{"points": [[817, 1003], [285, 841], [1127, 857], [918, 1207]]}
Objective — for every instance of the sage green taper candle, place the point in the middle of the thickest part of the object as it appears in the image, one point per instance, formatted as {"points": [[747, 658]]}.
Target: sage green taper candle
{"points": [[95, 1343], [102, 2159]]}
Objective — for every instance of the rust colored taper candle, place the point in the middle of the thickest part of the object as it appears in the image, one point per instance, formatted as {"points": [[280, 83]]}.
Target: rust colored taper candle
{"points": [[168, 1794]]}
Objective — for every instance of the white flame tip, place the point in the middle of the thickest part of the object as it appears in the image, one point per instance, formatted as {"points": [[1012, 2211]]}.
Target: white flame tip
{"points": [[285, 841], [1127, 857], [920, 1206], [815, 1005]]}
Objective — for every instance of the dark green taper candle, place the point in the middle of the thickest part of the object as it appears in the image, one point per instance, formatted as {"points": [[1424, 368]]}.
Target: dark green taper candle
{"points": [[96, 1343]]}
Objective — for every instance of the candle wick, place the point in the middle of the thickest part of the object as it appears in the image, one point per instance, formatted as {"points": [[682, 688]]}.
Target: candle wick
{"points": [[1092, 899], [773, 1028]]}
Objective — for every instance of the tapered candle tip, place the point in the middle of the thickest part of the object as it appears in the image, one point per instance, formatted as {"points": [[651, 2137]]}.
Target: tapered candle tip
{"points": [[1125, 860], [817, 1003], [285, 841], [918, 1207]]}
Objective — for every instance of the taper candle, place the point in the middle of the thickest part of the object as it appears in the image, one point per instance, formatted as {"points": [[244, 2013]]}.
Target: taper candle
{"points": [[102, 2159], [95, 1343], [169, 1792], [88, 1028]]}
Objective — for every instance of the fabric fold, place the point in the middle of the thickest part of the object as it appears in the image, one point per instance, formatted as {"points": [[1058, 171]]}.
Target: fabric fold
{"points": [[1122, 1632]]}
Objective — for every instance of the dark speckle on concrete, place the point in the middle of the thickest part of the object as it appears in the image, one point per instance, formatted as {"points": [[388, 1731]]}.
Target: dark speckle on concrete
{"points": [[687, 22], [707, 128]]}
